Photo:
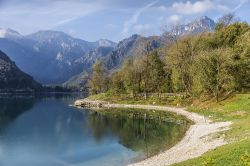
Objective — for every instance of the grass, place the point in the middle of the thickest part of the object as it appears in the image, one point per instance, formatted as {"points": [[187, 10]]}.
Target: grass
{"points": [[152, 100], [235, 108], [228, 155], [237, 153]]}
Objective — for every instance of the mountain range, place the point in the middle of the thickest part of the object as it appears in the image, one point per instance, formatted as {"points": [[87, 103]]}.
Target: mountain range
{"points": [[53, 57]]}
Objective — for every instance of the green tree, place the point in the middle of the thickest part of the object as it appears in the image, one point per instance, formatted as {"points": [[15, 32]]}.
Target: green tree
{"points": [[180, 60], [241, 65], [159, 80], [215, 76], [117, 83], [99, 80]]}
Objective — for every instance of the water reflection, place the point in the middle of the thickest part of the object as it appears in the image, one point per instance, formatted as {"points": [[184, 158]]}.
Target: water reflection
{"points": [[139, 130], [12, 107], [47, 131]]}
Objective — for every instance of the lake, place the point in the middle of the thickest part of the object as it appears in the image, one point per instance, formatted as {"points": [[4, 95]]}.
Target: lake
{"points": [[47, 131]]}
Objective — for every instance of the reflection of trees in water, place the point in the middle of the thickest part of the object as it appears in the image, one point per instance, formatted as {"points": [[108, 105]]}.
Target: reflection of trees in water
{"points": [[11, 108], [137, 130]]}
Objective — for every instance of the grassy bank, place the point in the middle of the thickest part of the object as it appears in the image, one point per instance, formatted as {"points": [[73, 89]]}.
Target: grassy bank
{"points": [[172, 100], [235, 108]]}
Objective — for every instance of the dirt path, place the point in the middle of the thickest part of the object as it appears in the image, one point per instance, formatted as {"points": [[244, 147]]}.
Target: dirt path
{"points": [[198, 139]]}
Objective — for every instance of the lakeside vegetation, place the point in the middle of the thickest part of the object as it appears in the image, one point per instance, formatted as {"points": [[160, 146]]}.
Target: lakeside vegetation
{"points": [[209, 73], [210, 65]]}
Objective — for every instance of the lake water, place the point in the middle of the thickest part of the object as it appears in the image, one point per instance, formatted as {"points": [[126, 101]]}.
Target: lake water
{"points": [[47, 131]]}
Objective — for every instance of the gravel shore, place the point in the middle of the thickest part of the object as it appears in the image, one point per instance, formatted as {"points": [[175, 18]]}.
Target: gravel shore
{"points": [[198, 139]]}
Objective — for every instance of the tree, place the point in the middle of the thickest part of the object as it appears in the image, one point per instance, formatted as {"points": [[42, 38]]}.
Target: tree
{"points": [[159, 78], [127, 73], [241, 65], [180, 60], [99, 80], [215, 76], [117, 82]]}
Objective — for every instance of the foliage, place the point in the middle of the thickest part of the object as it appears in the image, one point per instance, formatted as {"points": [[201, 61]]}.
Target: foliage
{"points": [[99, 81], [144, 74], [213, 64], [209, 64]]}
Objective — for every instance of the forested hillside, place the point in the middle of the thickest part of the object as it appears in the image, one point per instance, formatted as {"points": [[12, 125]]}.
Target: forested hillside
{"points": [[13, 79], [211, 64]]}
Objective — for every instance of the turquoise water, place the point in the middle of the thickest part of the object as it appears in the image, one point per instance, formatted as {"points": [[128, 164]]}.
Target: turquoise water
{"points": [[46, 131]]}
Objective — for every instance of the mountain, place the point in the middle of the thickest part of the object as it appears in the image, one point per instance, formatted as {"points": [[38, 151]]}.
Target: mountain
{"points": [[202, 24], [11, 77], [51, 57], [114, 57], [132, 46], [90, 58], [105, 43], [80, 80], [136, 45]]}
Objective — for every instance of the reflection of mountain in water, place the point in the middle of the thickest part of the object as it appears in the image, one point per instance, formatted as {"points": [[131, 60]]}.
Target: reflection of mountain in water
{"points": [[11, 108], [137, 131]]}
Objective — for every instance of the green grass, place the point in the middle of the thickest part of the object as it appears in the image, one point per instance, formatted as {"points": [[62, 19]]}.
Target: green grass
{"points": [[237, 110], [152, 100], [227, 155]]}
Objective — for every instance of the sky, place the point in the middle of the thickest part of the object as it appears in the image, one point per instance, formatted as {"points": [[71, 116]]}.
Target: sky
{"points": [[92, 20]]}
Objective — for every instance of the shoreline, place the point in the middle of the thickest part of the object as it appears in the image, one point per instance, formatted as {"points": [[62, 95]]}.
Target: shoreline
{"points": [[198, 139]]}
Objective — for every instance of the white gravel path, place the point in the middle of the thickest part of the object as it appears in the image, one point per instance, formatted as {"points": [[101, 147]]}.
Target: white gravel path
{"points": [[198, 139]]}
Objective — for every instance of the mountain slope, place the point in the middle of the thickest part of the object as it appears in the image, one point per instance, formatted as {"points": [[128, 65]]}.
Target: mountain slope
{"points": [[51, 57], [136, 45], [79, 81], [11, 77], [132, 46]]}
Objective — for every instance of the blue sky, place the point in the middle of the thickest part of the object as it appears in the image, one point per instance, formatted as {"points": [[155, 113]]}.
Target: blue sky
{"points": [[111, 19]]}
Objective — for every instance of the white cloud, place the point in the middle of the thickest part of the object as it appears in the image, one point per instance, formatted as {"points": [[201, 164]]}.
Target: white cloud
{"points": [[174, 19], [189, 8], [134, 19], [143, 29], [193, 8]]}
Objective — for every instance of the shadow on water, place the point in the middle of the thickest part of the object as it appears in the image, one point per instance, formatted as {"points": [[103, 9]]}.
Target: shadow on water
{"points": [[12, 107]]}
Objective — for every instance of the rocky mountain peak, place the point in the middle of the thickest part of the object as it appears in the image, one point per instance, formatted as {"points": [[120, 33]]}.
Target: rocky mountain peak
{"points": [[199, 25]]}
